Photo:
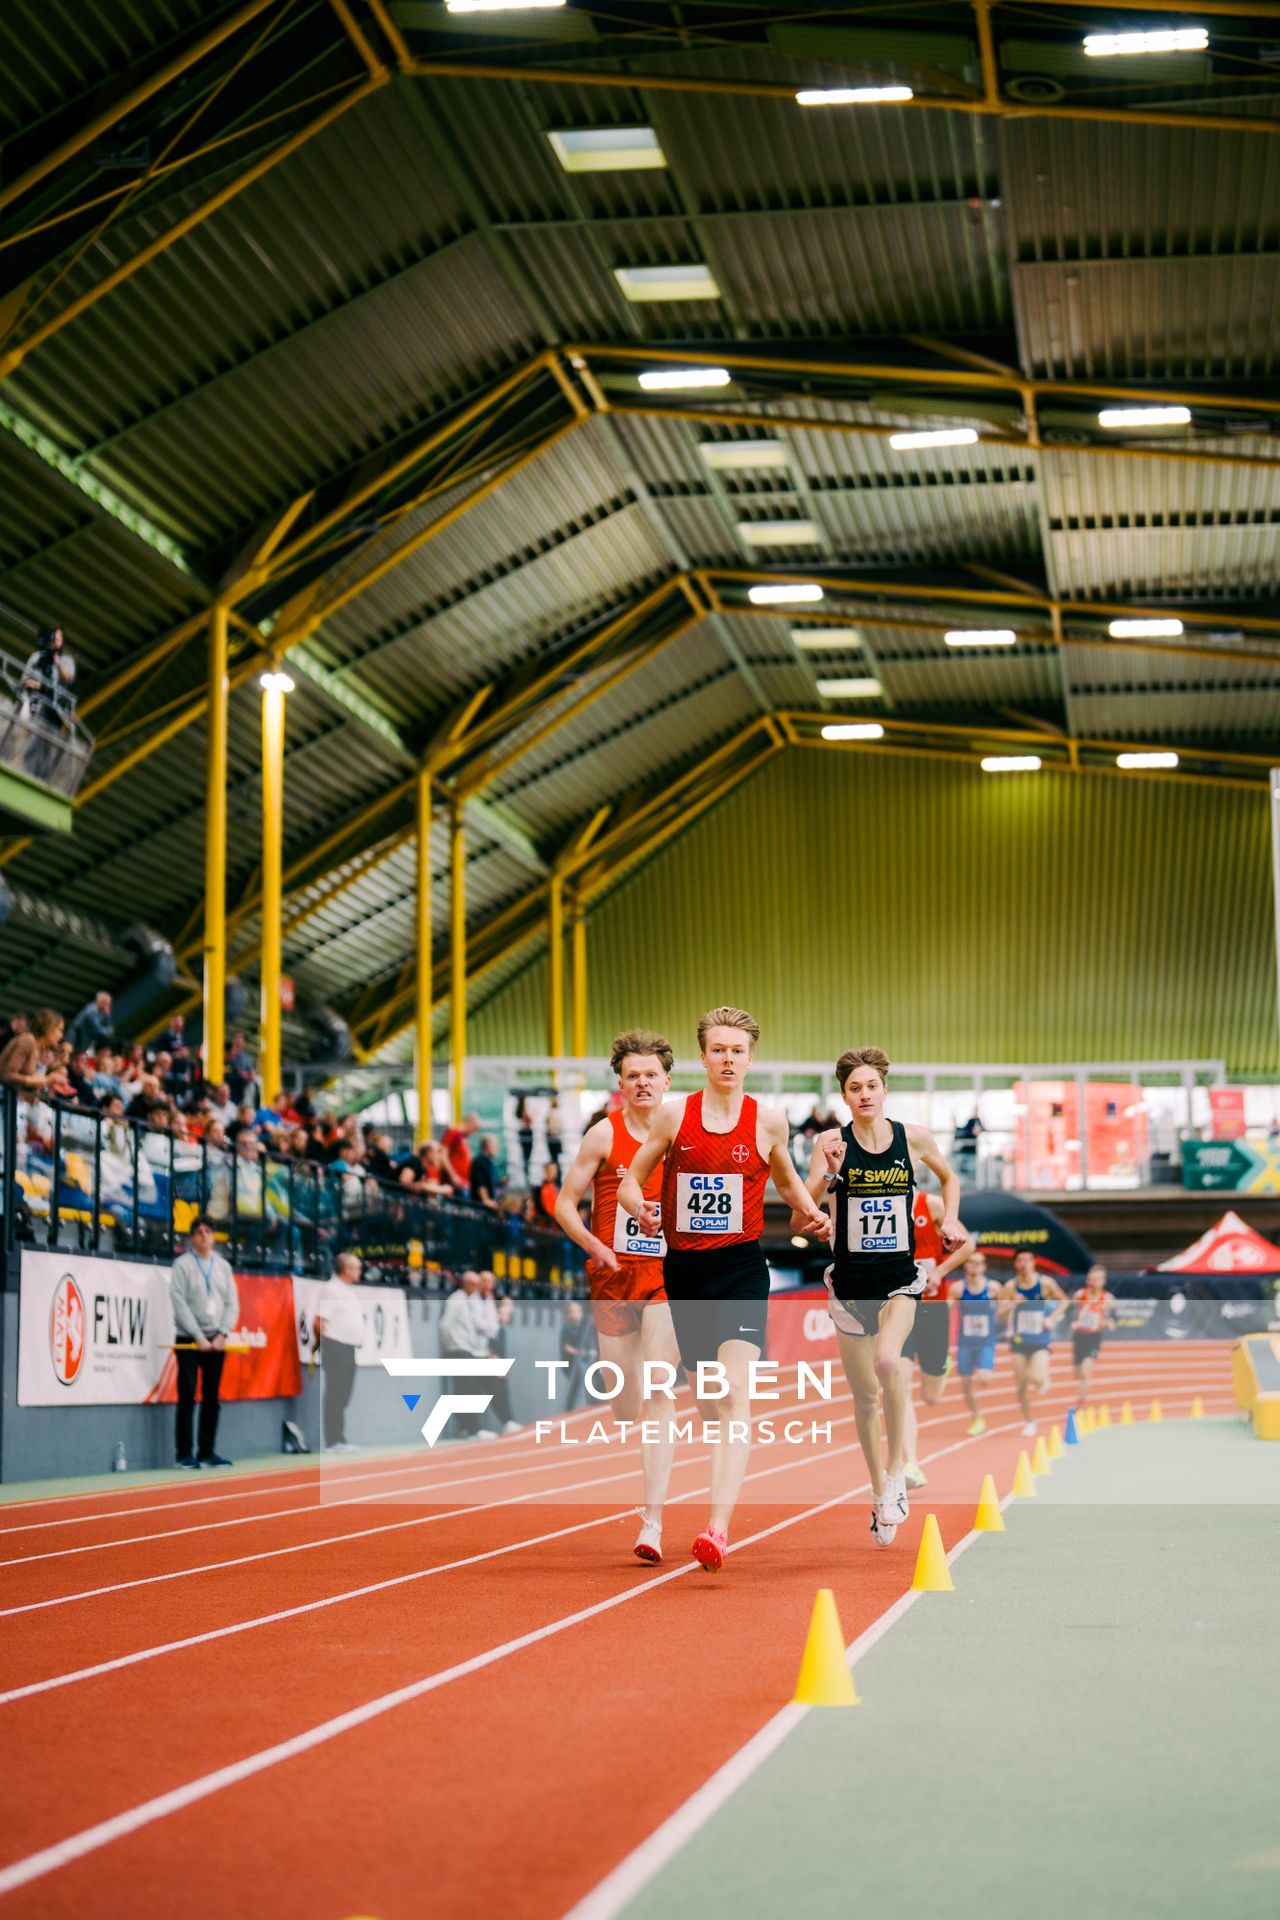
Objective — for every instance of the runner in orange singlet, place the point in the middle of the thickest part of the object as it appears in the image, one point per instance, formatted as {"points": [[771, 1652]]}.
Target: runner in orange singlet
{"points": [[624, 1259], [720, 1147]]}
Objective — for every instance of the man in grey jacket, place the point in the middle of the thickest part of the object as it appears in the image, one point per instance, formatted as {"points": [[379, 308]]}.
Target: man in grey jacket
{"points": [[206, 1307], [461, 1338]]}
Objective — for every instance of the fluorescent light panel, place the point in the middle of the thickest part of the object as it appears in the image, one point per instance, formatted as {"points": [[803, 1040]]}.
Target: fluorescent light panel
{"points": [[607, 149], [778, 533], [981, 637], [1145, 417], [1011, 763], [276, 681], [935, 437], [1133, 761], [683, 379], [853, 689], [785, 594], [692, 282], [1133, 629], [851, 96], [499, 6], [854, 730], [827, 639], [730, 455], [1159, 40]]}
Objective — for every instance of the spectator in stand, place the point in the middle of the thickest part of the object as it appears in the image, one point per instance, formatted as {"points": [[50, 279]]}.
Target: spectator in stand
{"points": [[221, 1105], [460, 1339], [457, 1148], [104, 1079], [77, 1068], [93, 1025], [205, 1310], [147, 1097], [549, 1190], [47, 699], [524, 1132], [555, 1135], [240, 1070], [427, 1171], [338, 1328], [484, 1174], [27, 1063], [245, 1121], [378, 1160], [11, 1025], [305, 1104]]}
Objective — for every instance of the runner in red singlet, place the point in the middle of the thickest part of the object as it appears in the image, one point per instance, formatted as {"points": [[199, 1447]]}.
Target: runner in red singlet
{"points": [[720, 1147], [1095, 1313], [930, 1338], [624, 1263]]}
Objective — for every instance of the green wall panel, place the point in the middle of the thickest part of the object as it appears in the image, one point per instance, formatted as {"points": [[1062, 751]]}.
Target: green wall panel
{"points": [[944, 914]]}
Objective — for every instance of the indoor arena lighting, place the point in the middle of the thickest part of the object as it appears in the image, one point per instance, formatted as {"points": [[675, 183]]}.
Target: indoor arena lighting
{"points": [[827, 639], [499, 6], [1011, 763], [607, 149], [276, 681], [980, 637], [785, 594], [851, 96], [935, 437], [1145, 417], [1133, 629], [1133, 761], [778, 533], [729, 455], [1159, 40], [675, 379], [854, 730], [692, 282], [853, 689]]}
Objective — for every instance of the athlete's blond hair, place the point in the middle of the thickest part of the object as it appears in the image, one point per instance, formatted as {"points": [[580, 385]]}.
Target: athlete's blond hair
{"points": [[727, 1017], [861, 1057], [641, 1040]]}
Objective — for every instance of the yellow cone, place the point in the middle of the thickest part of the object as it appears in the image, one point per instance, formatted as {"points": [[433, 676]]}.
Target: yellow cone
{"points": [[1126, 1414], [932, 1574], [988, 1518], [825, 1679], [1197, 1408], [1157, 1411], [1056, 1448], [1024, 1485], [1040, 1456], [1104, 1416], [1088, 1423]]}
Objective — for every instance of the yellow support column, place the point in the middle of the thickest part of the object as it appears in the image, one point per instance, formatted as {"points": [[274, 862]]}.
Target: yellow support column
{"points": [[457, 957], [275, 685], [215, 851], [422, 1020], [555, 967], [578, 980]]}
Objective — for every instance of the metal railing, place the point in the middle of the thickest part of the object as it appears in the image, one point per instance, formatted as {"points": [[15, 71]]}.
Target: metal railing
{"points": [[40, 735], [74, 1180]]}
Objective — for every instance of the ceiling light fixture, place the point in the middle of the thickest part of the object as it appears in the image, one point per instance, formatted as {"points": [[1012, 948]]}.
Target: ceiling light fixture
{"points": [[1145, 417], [275, 680], [778, 533], [499, 6], [1158, 40], [607, 149], [1011, 763], [827, 639], [1133, 629], [678, 379], [981, 637], [1131, 762], [731, 455], [854, 730], [853, 689], [692, 282], [934, 437], [785, 594], [851, 96]]}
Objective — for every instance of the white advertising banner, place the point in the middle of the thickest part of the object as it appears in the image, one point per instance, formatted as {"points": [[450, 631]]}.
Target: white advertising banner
{"points": [[386, 1321], [91, 1332]]}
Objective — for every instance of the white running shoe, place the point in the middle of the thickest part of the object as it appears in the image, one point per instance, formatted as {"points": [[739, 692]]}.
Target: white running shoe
{"points": [[343, 1446], [648, 1545], [1029, 1430], [513, 1426], [486, 1433], [884, 1520], [895, 1489], [913, 1474]]}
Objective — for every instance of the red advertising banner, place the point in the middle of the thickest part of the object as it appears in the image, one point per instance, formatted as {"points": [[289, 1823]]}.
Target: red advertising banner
{"points": [[1226, 1105], [271, 1369]]}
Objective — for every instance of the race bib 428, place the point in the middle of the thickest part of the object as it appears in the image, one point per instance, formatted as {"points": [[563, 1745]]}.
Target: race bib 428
{"points": [[709, 1203]]}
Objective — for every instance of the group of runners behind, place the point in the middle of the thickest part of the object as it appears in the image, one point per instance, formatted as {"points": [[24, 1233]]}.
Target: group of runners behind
{"points": [[678, 1275]]}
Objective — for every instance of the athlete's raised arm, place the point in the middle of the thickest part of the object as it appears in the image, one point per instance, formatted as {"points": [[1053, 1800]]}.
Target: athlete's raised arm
{"points": [[807, 1216], [925, 1147], [663, 1129], [587, 1162]]}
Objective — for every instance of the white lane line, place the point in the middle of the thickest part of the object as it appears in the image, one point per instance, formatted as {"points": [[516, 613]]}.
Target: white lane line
{"points": [[91, 1839], [633, 1874]]}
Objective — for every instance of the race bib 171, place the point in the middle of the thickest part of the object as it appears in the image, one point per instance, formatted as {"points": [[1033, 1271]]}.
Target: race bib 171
{"points": [[709, 1203], [878, 1225]]}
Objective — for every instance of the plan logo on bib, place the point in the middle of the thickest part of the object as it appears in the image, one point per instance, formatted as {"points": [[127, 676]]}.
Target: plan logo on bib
{"points": [[66, 1330]]}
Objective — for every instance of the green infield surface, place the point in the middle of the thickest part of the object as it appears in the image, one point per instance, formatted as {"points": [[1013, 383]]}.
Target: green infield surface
{"points": [[1087, 1726]]}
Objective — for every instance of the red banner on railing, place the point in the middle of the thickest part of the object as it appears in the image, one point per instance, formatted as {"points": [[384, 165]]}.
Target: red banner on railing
{"points": [[270, 1369]]}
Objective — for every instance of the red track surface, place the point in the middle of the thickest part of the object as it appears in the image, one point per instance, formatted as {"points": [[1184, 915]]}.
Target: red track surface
{"points": [[515, 1785]]}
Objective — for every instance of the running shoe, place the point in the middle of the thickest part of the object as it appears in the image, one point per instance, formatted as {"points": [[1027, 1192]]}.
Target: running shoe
{"points": [[1029, 1430], [976, 1427], [486, 1433], [895, 1489], [513, 1426], [343, 1446], [913, 1474], [709, 1549], [649, 1542], [884, 1523]]}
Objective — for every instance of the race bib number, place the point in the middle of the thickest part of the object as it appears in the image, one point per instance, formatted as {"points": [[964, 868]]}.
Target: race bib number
{"points": [[878, 1225], [1029, 1324], [709, 1203], [629, 1237], [975, 1326], [1089, 1320]]}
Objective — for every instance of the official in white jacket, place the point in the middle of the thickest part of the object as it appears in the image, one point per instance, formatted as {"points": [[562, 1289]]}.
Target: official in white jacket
{"points": [[206, 1308]]}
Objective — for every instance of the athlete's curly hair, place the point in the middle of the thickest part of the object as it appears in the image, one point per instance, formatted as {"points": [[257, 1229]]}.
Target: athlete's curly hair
{"points": [[641, 1040], [727, 1017], [861, 1057]]}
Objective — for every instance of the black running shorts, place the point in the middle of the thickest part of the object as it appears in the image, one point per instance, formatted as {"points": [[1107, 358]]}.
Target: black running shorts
{"points": [[716, 1294], [1085, 1346], [929, 1338]]}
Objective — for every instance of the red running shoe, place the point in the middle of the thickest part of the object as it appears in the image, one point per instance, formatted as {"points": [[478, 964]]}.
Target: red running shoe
{"points": [[710, 1548]]}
